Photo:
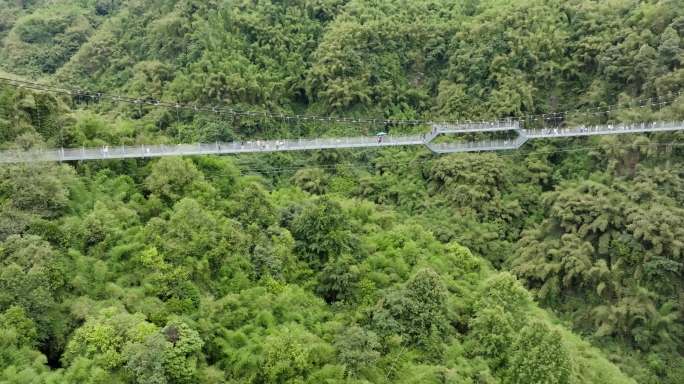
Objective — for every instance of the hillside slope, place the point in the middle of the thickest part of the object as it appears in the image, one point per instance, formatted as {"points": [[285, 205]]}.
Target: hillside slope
{"points": [[560, 263]]}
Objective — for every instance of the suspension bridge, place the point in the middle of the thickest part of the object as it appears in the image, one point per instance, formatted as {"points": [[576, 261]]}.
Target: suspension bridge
{"points": [[260, 146]]}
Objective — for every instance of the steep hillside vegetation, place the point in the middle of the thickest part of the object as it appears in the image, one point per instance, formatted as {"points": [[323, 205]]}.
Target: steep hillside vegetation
{"points": [[559, 263]]}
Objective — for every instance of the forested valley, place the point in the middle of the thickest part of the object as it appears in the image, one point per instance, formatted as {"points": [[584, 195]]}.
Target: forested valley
{"points": [[561, 262]]}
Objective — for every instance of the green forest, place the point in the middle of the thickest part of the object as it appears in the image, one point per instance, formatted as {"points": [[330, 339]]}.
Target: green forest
{"points": [[561, 262]]}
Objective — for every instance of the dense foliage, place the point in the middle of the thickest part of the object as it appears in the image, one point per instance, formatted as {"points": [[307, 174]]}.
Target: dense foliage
{"points": [[560, 263]]}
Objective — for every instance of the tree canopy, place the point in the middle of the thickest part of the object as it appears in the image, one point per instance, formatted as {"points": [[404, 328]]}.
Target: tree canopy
{"points": [[561, 262]]}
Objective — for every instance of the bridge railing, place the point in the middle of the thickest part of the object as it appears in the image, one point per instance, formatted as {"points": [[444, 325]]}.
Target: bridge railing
{"points": [[502, 125], [158, 150], [487, 145], [583, 130]]}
